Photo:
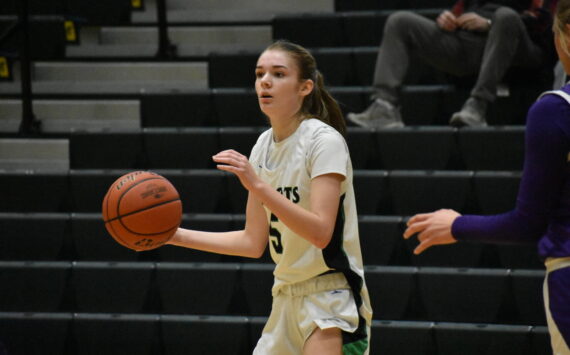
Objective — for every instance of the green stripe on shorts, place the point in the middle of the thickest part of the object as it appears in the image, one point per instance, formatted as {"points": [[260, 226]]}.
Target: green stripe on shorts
{"points": [[355, 348]]}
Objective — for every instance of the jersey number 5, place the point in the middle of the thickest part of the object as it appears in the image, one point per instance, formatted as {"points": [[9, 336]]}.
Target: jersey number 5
{"points": [[275, 236]]}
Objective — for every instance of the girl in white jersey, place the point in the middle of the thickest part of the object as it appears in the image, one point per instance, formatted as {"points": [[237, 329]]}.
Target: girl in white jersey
{"points": [[301, 201]]}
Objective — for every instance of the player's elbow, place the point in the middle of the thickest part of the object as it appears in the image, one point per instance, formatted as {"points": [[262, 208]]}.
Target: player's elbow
{"points": [[256, 251], [322, 241]]}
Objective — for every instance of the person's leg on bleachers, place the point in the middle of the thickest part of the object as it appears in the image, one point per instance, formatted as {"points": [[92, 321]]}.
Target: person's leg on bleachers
{"points": [[508, 43], [407, 33]]}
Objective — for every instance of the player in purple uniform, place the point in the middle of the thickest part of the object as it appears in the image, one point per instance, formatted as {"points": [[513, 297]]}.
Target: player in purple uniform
{"points": [[542, 212]]}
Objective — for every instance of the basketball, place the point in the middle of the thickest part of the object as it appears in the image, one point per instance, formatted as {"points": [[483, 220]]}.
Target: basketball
{"points": [[142, 210]]}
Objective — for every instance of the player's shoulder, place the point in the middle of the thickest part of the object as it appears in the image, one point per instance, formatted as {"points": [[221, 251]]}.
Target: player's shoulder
{"points": [[265, 134], [317, 129], [261, 141], [550, 114], [552, 105]]}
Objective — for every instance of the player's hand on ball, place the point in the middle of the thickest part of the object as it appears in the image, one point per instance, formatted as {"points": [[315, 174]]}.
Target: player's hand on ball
{"points": [[432, 228], [234, 162]]}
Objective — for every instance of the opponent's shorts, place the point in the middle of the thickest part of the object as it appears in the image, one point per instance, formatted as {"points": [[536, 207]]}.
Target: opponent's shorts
{"points": [[325, 302], [557, 303]]}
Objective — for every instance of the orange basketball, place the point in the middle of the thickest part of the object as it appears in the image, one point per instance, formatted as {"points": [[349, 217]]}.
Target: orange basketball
{"points": [[142, 210]]}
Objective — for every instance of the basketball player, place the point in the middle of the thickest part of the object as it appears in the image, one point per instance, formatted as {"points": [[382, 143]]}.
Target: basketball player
{"points": [[301, 201], [542, 213]]}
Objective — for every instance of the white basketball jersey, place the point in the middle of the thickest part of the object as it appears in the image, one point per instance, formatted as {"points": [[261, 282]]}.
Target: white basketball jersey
{"points": [[314, 149]]}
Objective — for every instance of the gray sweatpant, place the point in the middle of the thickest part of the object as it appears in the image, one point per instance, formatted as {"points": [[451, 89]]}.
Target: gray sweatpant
{"points": [[459, 53]]}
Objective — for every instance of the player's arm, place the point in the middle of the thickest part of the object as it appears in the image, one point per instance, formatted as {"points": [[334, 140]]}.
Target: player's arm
{"points": [[542, 183], [249, 242], [316, 225]]}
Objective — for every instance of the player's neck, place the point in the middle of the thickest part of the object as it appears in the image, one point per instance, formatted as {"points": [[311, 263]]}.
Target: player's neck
{"points": [[284, 128]]}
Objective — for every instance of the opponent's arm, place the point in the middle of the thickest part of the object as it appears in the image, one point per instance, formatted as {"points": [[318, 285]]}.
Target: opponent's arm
{"points": [[546, 156]]}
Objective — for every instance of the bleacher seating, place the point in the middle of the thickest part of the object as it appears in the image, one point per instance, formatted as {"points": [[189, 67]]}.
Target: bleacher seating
{"points": [[111, 333], [110, 287], [109, 104], [203, 334], [474, 295], [202, 295], [478, 339], [49, 331]]}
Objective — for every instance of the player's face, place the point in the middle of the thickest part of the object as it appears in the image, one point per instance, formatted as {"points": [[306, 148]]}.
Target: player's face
{"points": [[280, 92]]}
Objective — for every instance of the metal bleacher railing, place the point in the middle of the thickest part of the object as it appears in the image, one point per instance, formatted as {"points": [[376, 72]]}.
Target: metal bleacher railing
{"points": [[29, 123], [20, 26]]}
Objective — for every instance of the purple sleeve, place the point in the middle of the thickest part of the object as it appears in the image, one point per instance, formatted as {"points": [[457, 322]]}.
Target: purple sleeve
{"points": [[546, 151]]}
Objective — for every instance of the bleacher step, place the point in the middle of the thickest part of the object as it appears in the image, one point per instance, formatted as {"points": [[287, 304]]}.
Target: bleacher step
{"points": [[33, 154], [195, 40], [105, 89], [210, 16], [113, 78], [66, 115], [253, 5], [195, 72]]}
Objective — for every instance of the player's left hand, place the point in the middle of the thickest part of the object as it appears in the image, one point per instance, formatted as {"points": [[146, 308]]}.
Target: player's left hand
{"points": [[473, 22], [433, 228], [234, 162]]}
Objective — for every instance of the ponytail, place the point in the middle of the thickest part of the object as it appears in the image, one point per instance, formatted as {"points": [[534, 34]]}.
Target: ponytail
{"points": [[319, 103]]}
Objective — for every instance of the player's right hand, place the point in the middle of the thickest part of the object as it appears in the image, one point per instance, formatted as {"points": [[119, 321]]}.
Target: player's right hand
{"points": [[234, 162]]}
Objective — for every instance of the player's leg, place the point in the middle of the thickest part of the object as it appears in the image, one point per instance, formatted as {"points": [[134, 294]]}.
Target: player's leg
{"points": [[556, 295], [324, 342], [329, 320], [280, 335]]}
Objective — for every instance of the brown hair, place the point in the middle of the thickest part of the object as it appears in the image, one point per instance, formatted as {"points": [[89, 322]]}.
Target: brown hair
{"points": [[561, 19], [319, 103]]}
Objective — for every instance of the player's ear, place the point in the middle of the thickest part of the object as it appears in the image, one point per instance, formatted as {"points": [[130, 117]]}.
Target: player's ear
{"points": [[307, 87]]}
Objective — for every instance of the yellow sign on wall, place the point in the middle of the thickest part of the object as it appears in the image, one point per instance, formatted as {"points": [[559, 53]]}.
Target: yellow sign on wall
{"points": [[70, 32], [136, 4], [4, 68]]}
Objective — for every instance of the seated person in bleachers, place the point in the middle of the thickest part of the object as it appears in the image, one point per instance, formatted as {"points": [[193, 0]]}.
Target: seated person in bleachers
{"points": [[474, 37]]}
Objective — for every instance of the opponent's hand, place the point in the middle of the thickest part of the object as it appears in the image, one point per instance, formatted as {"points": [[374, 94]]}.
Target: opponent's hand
{"points": [[447, 21], [234, 162], [433, 228], [473, 22]]}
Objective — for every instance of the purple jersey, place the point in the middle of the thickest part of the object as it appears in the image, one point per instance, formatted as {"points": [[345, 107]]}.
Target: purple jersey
{"points": [[542, 211]]}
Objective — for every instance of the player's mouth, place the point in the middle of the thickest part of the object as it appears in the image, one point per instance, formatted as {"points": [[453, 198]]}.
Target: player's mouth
{"points": [[265, 98]]}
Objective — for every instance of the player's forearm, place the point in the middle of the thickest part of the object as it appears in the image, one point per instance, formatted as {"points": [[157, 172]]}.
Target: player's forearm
{"points": [[228, 243], [307, 224]]}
